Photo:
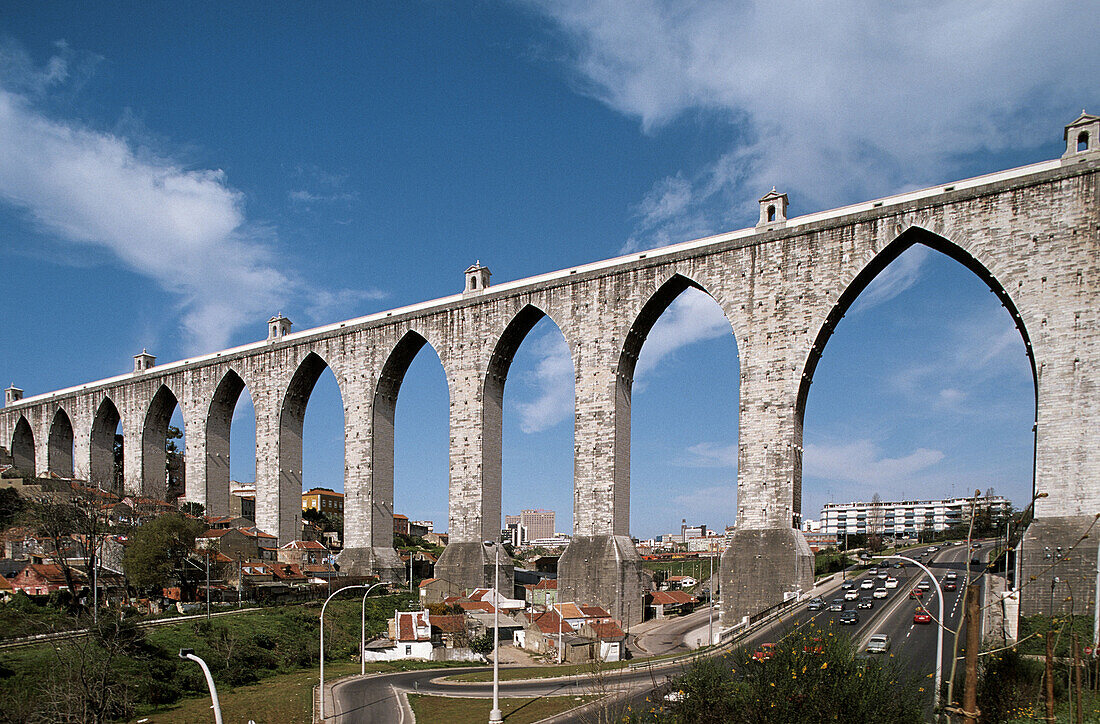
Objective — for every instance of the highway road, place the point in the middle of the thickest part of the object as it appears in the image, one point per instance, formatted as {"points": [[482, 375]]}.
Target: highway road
{"points": [[379, 699]]}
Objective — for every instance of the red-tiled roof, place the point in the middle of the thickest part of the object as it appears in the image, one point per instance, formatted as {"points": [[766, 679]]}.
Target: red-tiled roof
{"points": [[319, 491], [455, 623], [215, 533], [304, 545], [407, 624], [476, 606], [595, 612], [402, 517], [549, 623], [427, 581], [48, 571], [547, 584], [608, 630]]}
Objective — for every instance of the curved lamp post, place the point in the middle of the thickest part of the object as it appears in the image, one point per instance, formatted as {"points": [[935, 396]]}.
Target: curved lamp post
{"points": [[495, 715], [362, 633], [939, 627], [363, 630], [216, 705]]}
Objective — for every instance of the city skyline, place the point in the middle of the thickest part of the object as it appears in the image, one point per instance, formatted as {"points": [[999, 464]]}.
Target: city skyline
{"points": [[156, 186]]}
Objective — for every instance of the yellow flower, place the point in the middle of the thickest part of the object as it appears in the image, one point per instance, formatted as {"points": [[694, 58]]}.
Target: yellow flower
{"points": [[825, 665]]}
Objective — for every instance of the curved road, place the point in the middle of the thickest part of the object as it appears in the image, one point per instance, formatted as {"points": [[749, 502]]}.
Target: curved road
{"points": [[380, 698]]}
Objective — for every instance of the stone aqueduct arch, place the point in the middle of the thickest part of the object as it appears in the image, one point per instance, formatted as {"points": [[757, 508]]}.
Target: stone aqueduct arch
{"points": [[1032, 234]]}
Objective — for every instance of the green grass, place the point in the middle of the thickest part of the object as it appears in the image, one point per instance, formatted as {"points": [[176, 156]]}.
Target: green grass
{"points": [[454, 710], [1036, 644], [241, 650]]}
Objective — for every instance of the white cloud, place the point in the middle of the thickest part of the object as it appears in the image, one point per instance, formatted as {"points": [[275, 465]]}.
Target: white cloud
{"points": [[862, 462], [718, 502], [692, 317], [553, 379], [184, 228], [831, 102], [712, 455]]}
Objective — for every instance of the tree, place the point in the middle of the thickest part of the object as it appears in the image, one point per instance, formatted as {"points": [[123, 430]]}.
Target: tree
{"points": [[173, 464], [195, 509], [119, 471], [11, 505], [482, 644], [161, 550]]}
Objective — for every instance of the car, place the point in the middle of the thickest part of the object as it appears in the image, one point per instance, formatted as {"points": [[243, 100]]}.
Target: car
{"points": [[848, 618], [765, 653], [815, 604], [891, 582], [951, 575], [949, 586], [880, 593], [865, 602], [872, 572], [975, 561], [922, 616], [976, 545], [847, 584], [924, 585], [882, 576], [867, 583], [878, 644], [814, 646], [916, 593], [851, 595], [837, 604]]}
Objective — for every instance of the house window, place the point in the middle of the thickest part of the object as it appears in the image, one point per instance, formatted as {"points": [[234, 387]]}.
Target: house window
{"points": [[1083, 142]]}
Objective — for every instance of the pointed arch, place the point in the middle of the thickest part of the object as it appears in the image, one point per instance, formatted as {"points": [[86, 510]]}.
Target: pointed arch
{"points": [[22, 447], [219, 422], [908, 238], [496, 375], [102, 446], [291, 425], [59, 450], [154, 434], [650, 312], [384, 411]]}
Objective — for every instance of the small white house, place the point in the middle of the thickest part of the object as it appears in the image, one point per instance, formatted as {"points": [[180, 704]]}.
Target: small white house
{"points": [[410, 637]]}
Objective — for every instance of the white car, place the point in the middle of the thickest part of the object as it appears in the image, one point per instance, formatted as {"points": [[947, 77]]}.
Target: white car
{"points": [[878, 644], [891, 582], [851, 594], [880, 593], [867, 583], [951, 575], [882, 576]]}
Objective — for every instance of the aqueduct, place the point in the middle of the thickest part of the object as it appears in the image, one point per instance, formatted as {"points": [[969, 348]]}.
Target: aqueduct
{"points": [[1031, 233]]}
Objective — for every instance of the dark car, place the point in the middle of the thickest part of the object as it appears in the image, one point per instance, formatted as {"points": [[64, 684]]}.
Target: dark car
{"points": [[866, 602], [837, 604], [847, 584], [848, 618], [815, 604]]}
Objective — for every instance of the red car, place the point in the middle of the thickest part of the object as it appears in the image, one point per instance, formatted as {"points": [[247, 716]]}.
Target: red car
{"points": [[916, 593], [949, 586], [764, 653], [814, 646], [922, 616]]}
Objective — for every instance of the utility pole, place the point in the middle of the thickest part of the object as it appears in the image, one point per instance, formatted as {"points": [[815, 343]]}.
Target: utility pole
{"points": [[973, 642], [1077, 677], [1050, 677]]}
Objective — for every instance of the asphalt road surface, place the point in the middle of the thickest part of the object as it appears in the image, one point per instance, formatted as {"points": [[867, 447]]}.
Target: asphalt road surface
{"points": [[378, 698]]}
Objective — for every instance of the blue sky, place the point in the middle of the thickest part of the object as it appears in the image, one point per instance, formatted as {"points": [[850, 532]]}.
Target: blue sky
{"points": [[172, 174]]}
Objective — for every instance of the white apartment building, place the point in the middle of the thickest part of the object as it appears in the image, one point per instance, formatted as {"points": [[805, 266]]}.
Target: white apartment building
{"points": [[903, 517]]}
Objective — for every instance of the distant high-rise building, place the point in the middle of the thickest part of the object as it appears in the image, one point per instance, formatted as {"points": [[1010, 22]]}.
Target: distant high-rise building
{"points": [[538, 523]]}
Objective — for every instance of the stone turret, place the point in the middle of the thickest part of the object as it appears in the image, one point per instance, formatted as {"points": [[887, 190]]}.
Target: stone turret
{"points": [[12, 395], [773, 209], [477, 278], [144, 361], [1082, 138], [278, 327]]}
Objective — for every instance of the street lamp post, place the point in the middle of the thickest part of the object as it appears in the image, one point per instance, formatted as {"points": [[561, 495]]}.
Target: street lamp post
{"points": [[216, 705], [363, 630], [495, 715], [323, 607], [939, 628]]}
